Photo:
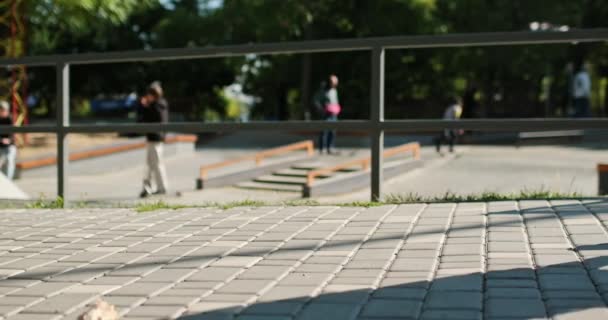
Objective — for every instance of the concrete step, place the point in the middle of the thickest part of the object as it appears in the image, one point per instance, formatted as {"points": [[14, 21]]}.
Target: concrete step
{"points": [[282, 180], [252, 185], [293, 173], [308, 166]]}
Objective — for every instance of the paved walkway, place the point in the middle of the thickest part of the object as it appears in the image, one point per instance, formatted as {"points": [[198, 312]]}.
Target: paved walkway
{"points": [[502, 260]]}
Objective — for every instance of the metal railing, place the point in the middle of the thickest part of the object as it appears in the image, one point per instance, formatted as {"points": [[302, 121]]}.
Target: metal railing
{"points": [[376, 126]]}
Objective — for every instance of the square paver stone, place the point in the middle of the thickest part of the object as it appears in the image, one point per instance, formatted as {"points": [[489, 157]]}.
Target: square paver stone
{"points": [[316, 311], [453, 300], [451, 315], [245, 286], [233, 261], [273, 308], [385, 308], [515, 308]]}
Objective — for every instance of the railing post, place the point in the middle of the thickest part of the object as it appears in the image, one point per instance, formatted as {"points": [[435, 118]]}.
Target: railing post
{"points": [[377, 117], [63, 121]]}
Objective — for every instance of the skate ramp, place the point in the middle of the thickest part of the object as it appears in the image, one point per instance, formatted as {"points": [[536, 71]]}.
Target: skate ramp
{"points": [[10, 191]]}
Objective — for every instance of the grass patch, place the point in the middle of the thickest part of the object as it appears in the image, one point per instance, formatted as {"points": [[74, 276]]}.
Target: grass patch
{"points": [[58, 203], [158, 205], [243, 203], [301, 203], [540, 194], [364, 204], [526, 194]]}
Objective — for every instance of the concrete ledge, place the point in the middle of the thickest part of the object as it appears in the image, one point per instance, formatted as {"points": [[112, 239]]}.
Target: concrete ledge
{"points": [[357, 180], [247, 174], [550, 137], [179, 143]]}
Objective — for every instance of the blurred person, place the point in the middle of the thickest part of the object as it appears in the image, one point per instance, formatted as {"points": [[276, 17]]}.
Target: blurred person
{"points": [[153, 108], [452, 112], [8, 150], [329, 104], [581, 91]]}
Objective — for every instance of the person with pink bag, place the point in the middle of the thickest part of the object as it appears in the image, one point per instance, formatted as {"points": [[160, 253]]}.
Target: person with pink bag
{"points": [[331, 109]]}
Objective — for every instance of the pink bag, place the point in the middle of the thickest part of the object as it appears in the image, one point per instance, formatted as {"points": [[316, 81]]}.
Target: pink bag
{"points": [[333, 109]]}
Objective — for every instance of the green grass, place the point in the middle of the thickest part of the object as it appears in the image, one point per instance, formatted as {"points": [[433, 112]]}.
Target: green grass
{"points": [[46, 204], [540, 194], [158, 205], [244, 203], [526, 194], [364, 204]]}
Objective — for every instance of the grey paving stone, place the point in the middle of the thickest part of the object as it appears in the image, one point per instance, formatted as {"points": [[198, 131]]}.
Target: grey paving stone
{"points": [[577, 314], [141, 289], [458, 283], [454, 300], [451, 314], [8, 310], [264, 272], [553, 305], [289, 293], [214, 274], [124, 301], [519, 273], [356, 297], [110, 280], [245, 286], [305, 279], [514, 308], [273, 309], [9, 300], [359, 280], [233, 261], [389, 308], [167, 275], [511, 283], [255, 317], [59, 304], [158, 312], [513, 293], [166, 300], [571, 294], [565, 282], [43, 289], [354, 273], [29, 316], [400, 293], [318, 268], [494, 246], [316, 310]]}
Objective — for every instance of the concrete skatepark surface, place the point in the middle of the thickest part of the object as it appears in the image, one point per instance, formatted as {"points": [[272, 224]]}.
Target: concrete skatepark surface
{"points": [[497, 260], [472, 170]]}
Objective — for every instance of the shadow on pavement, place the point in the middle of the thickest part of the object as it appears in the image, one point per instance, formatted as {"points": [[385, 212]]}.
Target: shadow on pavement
{"points": [[573, 286]]}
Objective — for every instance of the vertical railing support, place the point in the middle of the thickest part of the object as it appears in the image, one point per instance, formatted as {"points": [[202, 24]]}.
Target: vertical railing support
{"points": [[377, 117], [63, 121]]}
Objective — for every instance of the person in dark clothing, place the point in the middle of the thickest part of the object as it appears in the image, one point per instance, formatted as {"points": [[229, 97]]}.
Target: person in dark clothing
{"points": [[8, 150], [154, 108], [327, 102], [453, 112]]}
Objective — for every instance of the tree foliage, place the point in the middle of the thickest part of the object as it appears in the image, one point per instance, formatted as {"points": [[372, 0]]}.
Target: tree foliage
{"points": [[511, 81]]}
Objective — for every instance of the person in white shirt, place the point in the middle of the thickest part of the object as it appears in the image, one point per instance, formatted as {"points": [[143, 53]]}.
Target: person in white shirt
{"points": [[581, 92], [453, 112]]}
